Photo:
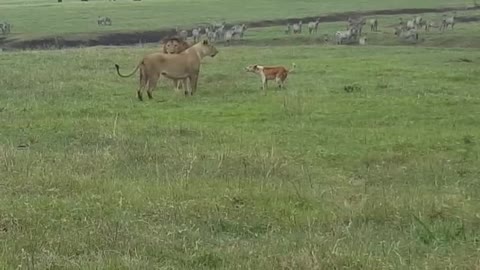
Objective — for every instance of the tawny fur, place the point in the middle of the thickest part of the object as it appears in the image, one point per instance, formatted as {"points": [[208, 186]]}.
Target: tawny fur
{"points": [[184, 66], [271, 73], [175, 45]]}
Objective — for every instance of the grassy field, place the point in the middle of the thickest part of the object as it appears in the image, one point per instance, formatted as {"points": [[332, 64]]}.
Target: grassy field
{"points": [[310, 177], [42, 17]]}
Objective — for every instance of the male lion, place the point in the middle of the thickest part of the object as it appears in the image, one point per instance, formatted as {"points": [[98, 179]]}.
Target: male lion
{"points": [[184, 66], [175, 45]]}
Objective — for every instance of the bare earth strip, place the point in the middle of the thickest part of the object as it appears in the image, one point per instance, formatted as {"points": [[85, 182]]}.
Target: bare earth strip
{"points": [[131, 38]]}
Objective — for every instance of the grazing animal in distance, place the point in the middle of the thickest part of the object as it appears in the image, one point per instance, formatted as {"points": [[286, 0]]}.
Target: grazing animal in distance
{"points": [[181, 33], [326, 38], [239, 30], [418, 21], [362, 40], [104, 20], [341, 36], [228, 37], [297, 27], [410, 34], [313, 26], [446, 21], [267, 73], [373, 25], [210, 34], [410, 25], [196, 35], [219, 31], [5, 27], [356, 25], [432, 24], [288, 30], [183, 66]]}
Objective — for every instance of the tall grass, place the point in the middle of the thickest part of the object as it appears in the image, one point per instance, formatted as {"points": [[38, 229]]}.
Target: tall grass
{"points": [[310, 177]]}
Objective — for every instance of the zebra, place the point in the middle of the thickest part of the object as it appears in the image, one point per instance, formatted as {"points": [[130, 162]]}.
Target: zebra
{"points": [[446, 21], [228, 36], [104, 20], [5, 27], [406, 34], [288, 30], [313, 26], [238, 30], [297, 27], [196, 35], [210, 33], [374, 25]]}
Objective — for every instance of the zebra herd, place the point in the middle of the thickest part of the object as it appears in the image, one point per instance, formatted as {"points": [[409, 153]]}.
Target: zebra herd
{"points": [[352, 33], [215, 32], [418, 22], [408, 30], [405, 30], [5, 27], [102, 20], [296, 28]]}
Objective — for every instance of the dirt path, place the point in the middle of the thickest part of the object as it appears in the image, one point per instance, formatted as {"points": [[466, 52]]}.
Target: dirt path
{"points": [[131, 38]]}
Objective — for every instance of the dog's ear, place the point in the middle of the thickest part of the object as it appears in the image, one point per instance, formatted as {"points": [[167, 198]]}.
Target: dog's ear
{"points": [[255, 66]]}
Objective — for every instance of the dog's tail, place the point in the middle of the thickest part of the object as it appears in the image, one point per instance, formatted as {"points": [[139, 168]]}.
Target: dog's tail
{"points": [[128, 75], [293, 68]]}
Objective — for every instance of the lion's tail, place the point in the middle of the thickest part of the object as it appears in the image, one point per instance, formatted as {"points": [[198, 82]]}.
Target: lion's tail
{"points": [[128, 75], [293, 68]]}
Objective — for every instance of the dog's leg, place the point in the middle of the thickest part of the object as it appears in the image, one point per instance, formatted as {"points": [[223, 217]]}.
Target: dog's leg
{"points": [[278, 80], [264, 81]]}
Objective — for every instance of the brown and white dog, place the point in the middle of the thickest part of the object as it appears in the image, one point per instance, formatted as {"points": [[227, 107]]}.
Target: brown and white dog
{"points": [[277, 73]]}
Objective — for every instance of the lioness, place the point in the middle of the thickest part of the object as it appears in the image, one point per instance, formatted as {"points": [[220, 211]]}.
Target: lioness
{"points": [[184, 66], [175, 45]]}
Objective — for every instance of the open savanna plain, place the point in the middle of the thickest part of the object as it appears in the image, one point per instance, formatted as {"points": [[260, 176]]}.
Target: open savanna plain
{"points": [[47, 17], [309, 177]]}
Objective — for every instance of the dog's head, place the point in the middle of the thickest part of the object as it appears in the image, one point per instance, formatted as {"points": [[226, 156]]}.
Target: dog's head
{"points": [[252, 68]]}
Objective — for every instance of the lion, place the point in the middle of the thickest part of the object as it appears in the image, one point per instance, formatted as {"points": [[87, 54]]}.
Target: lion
{"points": [[175, 45], [184, 66]]}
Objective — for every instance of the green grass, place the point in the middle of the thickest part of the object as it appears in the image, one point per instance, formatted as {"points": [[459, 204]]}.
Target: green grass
{"points": [[42, 17], [310, 177]]}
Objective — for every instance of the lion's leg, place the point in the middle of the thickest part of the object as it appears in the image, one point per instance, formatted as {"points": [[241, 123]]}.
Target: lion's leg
{"points": [[142, 84], [194, 83], [175, 84], [180, 83], [187, 84], [152, 83]]}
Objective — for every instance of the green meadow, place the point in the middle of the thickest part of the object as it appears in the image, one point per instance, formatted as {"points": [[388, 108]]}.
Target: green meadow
{"points": [[308, 177], [33, 18]]}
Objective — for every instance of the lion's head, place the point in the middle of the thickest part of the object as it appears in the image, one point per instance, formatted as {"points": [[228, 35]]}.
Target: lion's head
{"points": [[175, 45], [207, 48]]}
